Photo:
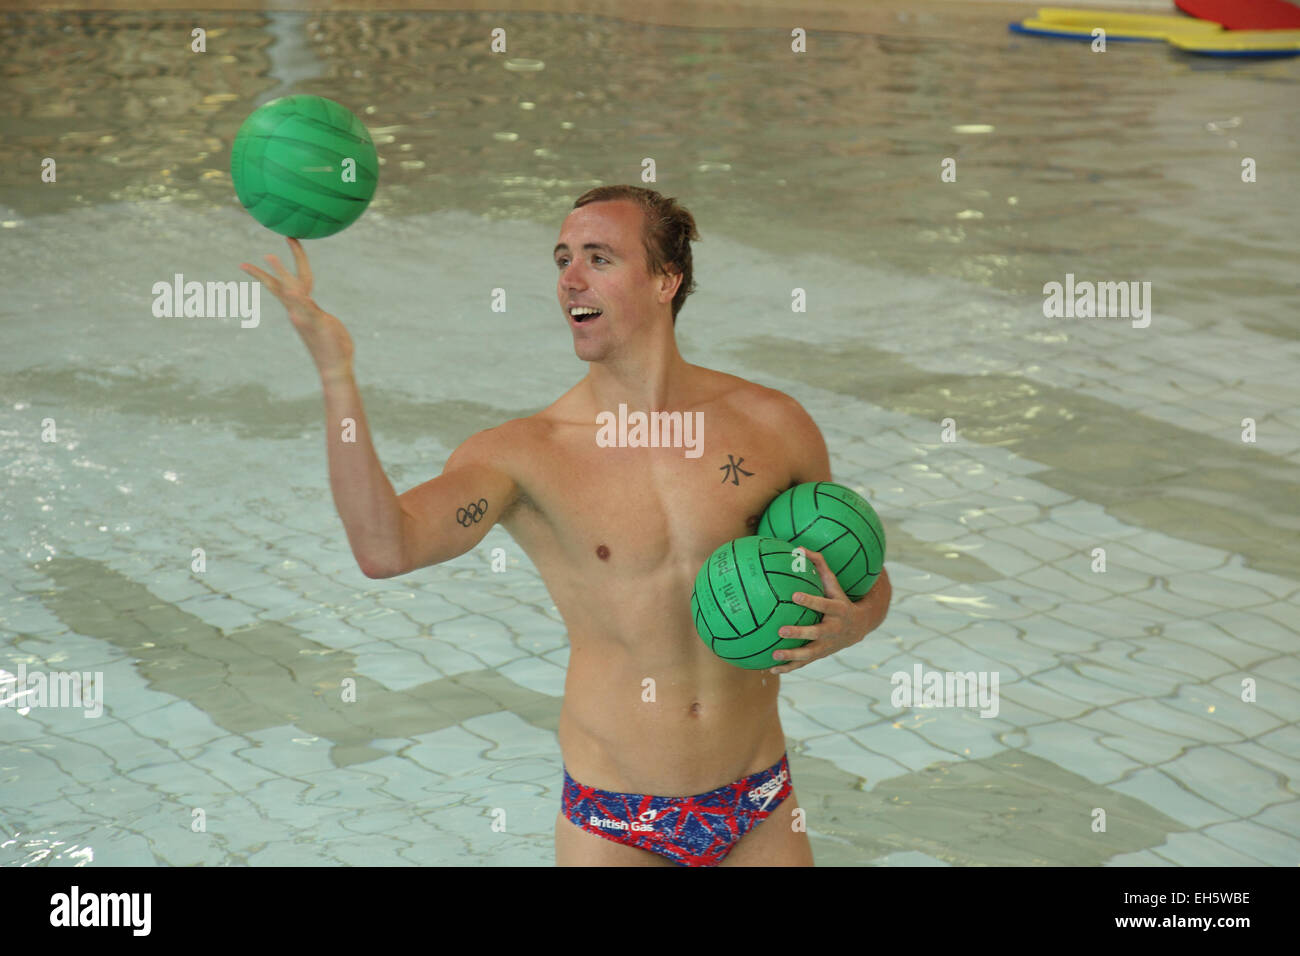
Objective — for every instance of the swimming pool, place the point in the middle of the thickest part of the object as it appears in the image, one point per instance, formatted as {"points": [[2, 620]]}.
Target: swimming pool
{"points": [[130, 440]]}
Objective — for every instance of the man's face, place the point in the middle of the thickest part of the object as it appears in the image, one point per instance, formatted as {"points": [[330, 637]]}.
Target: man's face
{"points": [[601, 263]]}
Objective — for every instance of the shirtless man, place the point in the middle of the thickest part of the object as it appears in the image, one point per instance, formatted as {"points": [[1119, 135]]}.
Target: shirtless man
{"points": [[685, 775]]}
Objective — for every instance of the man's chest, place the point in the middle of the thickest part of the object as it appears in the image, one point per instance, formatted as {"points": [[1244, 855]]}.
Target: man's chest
{"points": [[635, 508]]}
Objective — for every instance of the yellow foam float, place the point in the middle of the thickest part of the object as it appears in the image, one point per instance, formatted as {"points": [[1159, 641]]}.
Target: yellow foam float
{"points": [[1126, 25], [1185, 33], [1241, 43]]}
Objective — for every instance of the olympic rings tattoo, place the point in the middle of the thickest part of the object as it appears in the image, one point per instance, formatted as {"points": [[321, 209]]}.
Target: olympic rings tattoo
{"points": [[473, 513]]}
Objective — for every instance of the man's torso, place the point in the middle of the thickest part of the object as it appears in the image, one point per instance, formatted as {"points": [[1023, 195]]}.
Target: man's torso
{"points": [[618, 535]]}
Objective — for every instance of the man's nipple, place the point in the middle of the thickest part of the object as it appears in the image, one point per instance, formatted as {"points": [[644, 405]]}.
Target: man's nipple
{"points": [[602, 552]]}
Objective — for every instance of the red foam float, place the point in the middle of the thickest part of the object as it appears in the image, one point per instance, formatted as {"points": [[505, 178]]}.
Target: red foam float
{"points": [[1244, 14]]}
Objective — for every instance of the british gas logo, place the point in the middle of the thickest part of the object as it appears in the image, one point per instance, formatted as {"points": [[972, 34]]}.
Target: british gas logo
{"points": [[640, 825]]}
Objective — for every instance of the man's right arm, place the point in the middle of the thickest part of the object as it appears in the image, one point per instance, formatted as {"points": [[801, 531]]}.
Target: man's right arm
{"points": [[434, 522], [448, 515], [431, 523]]}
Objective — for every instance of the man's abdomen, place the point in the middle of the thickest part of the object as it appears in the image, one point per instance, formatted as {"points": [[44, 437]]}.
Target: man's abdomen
{"points": [[668, 721]]}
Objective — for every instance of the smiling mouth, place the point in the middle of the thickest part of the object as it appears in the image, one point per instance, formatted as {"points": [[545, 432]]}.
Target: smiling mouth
{"points": [[585, 317]]}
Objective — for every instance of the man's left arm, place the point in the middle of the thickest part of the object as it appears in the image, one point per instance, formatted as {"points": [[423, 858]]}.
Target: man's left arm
{"points": [[843, 622]]}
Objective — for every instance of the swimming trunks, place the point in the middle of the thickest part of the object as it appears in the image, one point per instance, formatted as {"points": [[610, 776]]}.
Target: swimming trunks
{"points": [[690, 831]]}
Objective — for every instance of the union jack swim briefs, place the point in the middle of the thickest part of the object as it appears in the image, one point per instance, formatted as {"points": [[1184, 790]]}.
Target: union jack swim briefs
{"points": [[690, 831]]}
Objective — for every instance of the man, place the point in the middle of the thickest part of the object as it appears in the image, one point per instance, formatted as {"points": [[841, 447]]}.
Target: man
{"points": [[671, 755]]}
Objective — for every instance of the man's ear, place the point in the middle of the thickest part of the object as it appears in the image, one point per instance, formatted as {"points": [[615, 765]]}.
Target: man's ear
{"points": [[671, 282]]}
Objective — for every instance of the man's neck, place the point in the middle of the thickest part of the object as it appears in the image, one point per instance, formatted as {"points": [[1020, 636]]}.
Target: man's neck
{"points": [[653, 379]]}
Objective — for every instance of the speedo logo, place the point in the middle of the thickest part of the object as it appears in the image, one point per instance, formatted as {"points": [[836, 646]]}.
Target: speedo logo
{"points": [[768, 790], [642, 824]]}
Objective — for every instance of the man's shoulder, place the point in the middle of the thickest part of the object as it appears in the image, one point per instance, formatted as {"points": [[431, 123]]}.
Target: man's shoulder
{"points": [[711, 385], [759, 401], [500, 446], [522, 439], [784, 417]]}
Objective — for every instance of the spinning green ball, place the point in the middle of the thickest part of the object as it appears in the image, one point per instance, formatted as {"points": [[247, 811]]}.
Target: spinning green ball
{"points": [[742, 598], [835, 521], [304, 166]]}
